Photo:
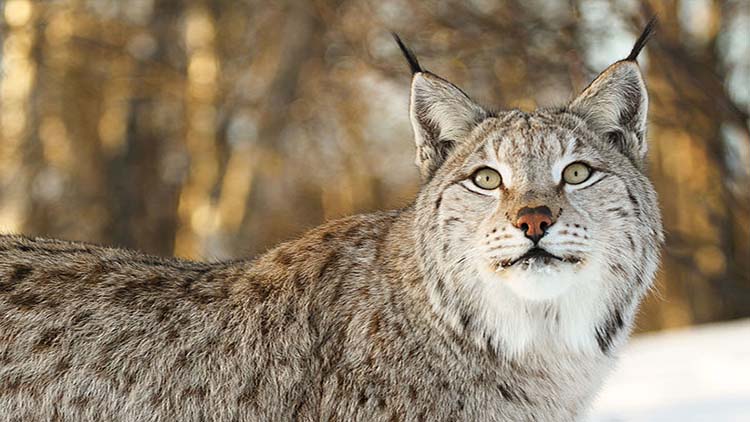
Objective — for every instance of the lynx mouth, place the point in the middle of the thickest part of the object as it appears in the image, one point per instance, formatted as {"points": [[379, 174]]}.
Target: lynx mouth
{"points": [[537, 254]]}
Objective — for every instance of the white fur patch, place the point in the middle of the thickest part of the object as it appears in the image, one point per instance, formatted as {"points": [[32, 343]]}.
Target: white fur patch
{"points": [[554, 308], [538, 281]]}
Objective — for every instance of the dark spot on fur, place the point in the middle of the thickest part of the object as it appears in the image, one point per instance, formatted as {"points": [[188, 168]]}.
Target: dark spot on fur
{"points": [[62, 365], [440, 286], [163, 312], [547, 313], [439, 201], [248, 394], [329, 262], [20, 272], [328, 236], [451, 220], [290, 314], [47, 339], [491, 348], [11, 383], [197, 391], [173, 334], [283, 259], [231, 348], [374, 324], [617, 269], [465, 320], [182, 359], [97, 273], [608, 330], [352, 231], [634, 202], [362, 399], [25, 300], [129, 382], [631, 241], [210, 289], [510, 394]]}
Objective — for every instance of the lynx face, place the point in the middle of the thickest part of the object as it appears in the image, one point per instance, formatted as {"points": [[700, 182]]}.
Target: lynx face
{"points": [[544, 214], [535, 231]]}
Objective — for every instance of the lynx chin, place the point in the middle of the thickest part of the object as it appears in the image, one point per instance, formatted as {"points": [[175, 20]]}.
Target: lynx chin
{"points": [[502, 293]]}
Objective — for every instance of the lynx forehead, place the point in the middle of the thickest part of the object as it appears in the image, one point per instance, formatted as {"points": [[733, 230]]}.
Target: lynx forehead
{"points": [[502, 293]]}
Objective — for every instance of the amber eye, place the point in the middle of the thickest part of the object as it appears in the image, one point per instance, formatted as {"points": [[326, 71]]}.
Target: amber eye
{"points": [[576, 173], [487, 179]]}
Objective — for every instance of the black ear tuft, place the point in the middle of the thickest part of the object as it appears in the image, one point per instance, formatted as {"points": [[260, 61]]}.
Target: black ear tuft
{"points": [[408, 54], [648, 31]]}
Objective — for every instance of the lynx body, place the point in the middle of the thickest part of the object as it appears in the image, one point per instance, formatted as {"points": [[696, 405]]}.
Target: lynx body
{"points": [[502, 293]]}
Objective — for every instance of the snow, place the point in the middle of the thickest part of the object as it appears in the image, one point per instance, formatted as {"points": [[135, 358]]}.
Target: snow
{"points": [[689, 375]]}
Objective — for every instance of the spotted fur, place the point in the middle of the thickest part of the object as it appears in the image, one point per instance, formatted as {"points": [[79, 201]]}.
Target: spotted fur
{"points": [[414, 314]]}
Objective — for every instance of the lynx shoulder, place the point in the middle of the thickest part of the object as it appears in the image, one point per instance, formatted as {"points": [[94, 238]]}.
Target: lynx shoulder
{"points": [[503, 292]]}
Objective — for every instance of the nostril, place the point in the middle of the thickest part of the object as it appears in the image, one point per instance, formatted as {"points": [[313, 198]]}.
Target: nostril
{"points": [[524, 227], [543, 225]]}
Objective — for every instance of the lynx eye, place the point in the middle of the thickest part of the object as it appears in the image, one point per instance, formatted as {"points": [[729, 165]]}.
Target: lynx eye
{"points": [[487, 179], [576, 173]]}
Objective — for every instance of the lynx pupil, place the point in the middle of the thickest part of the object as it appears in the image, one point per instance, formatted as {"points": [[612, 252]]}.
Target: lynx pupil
{"points": [[487, 178], [576, 173]]}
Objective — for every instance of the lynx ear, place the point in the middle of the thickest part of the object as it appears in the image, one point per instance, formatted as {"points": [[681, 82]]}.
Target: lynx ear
{"points": [[615, 106], [441, 115], [616, 103]]}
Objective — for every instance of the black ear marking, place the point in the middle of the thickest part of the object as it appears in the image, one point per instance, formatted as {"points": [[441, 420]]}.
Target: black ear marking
{"points": [[647, 33], [411, 58]]}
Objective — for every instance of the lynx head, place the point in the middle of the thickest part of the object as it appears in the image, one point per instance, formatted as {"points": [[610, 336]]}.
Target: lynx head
{"points": [[532, 210]]}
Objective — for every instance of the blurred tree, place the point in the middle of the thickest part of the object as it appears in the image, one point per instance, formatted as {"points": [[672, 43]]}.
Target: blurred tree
{"points": [[142, 203]]}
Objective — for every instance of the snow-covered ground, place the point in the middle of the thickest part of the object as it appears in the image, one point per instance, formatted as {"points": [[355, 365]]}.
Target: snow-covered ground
{"points": [[696, 374]]}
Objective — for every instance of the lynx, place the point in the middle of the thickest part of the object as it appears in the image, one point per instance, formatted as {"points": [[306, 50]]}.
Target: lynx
{"points": [[502, 293]]}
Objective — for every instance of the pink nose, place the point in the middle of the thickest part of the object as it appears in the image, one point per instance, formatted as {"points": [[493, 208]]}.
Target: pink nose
{"points": [[534, 222]]}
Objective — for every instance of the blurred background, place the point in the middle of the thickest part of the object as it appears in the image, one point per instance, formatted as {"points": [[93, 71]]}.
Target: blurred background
{"points": [[215, 129]]}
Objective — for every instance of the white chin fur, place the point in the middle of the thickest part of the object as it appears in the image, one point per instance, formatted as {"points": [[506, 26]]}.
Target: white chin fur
{"points": [[538, 281], [515, 301]]}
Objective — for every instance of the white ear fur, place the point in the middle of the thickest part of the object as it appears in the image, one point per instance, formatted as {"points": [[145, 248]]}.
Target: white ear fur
{"points": [[616, 106], [441, 115]]}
